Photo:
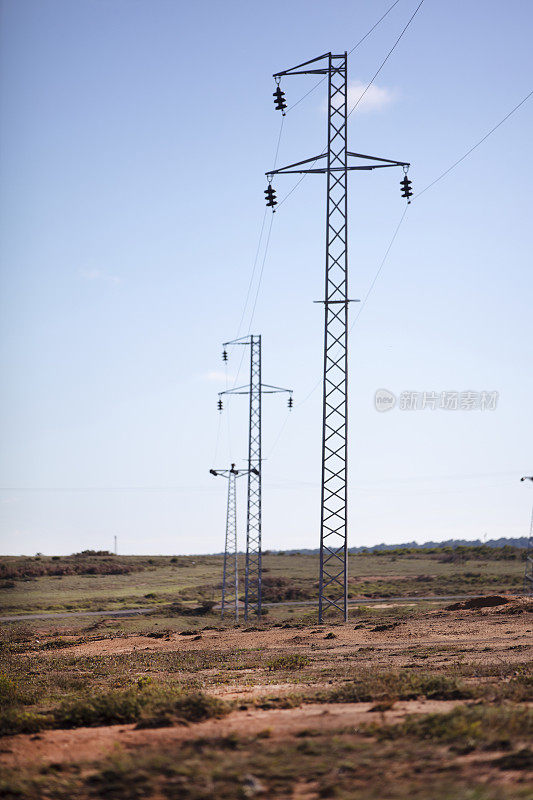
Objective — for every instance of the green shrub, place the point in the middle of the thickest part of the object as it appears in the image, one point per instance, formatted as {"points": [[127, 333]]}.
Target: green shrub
{"points": [[401, 685], [143, 703], [111, 708], [291, 661], [11, 694], [469, 726], [14, 720]]}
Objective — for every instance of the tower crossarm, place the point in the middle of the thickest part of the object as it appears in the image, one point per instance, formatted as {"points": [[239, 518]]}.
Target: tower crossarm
{"points": [[267, 389], [292, 169], [236, 390], [298, 70]]}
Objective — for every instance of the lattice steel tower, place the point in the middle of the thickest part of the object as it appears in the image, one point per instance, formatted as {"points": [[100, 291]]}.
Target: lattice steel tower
{"points": [[255, 390], [335, 164], [230, 574], [528, 572]]}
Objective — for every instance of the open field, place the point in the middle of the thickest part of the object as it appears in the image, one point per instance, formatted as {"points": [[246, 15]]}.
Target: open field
{"points": [[431, 701], [397, 703], [145, 581], [426, 700]]}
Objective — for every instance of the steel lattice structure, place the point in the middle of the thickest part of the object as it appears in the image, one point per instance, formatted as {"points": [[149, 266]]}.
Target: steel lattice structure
{"points": [[230, 574], [334, 505], [528, 572], [253, 569], [255, 390]]}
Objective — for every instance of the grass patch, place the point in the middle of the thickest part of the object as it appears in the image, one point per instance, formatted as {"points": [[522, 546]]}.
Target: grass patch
{"points": [[143, 703], [16, 720], [193, 707], [12, 694], [401, 685], [291, 661], [468, 726]]}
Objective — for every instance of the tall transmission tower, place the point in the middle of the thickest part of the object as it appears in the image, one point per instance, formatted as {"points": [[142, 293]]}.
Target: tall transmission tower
{"points": [[528, 573], [255, 389], [335, 163], [230, 574]]}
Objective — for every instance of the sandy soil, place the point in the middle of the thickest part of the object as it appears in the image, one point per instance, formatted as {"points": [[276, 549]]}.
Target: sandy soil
{"points": [[65, 746], [492, 630], [499, 634]]}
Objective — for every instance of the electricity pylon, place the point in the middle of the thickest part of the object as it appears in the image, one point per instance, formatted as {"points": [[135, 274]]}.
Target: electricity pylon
{"points": [[528, 573], [334, 162], [255, 389], [230, 574]]}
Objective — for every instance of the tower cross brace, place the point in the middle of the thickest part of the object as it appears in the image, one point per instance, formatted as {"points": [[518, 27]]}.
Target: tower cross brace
{"points": [[335, 163]]}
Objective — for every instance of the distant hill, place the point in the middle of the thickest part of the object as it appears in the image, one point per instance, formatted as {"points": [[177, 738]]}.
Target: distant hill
{"points": [[503, 542]]}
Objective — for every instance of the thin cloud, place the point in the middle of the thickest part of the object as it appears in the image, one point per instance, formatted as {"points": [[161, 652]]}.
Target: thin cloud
{"points": [[98, 275], [375, 98], [217, 375]]}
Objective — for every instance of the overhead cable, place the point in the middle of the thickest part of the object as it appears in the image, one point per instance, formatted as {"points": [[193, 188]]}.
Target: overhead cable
{"points": [[521, 103]]}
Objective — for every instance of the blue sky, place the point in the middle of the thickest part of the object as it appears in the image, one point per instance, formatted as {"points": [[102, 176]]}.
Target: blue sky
{"points": [[135, 137]]}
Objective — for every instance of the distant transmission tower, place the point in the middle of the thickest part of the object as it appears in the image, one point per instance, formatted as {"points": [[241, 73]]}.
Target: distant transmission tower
{"points": [[334, 163], [255, 389], [528, 574], [230, 575]]}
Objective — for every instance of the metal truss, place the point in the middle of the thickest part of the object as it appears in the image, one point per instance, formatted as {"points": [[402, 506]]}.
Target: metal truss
{"points": [[335, 163], [230, 575], [528, 572], [255, 390]]}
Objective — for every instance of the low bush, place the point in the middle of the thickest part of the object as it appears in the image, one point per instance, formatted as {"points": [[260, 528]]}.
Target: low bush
{"points": [[36, 568], [189, 611], [110, 708], [401, 685], [143, 702], [193, 707], [291, 661], [276, 589], [470, 726], [15, 720], [11, 694]]}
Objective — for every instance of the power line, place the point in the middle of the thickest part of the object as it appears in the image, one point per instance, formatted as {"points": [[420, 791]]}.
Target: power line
{"points": [[255, 262], [367, 34], [374, 281], [261, 273], [250, 284], [373, 27], [260, 279], [395, 234], [278, 437], [254, 266], [376, 276], [413, 15], [387, 56], [521, 103], [215, 456]]}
